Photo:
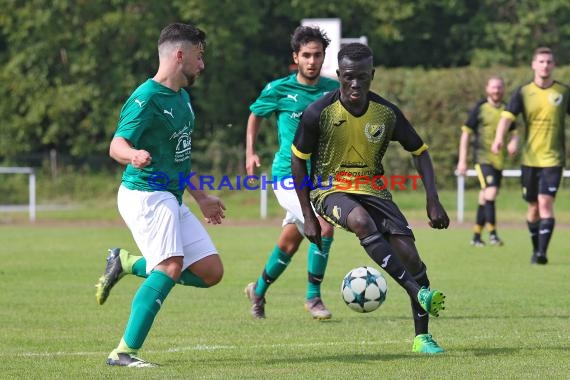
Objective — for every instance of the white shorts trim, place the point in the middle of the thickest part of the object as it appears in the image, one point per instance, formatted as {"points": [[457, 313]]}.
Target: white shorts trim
{"points": [[162, 228]]}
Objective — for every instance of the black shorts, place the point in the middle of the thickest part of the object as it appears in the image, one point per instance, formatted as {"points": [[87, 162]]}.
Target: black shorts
{"points": [[488, 175], [536, 181], [389, 220]]}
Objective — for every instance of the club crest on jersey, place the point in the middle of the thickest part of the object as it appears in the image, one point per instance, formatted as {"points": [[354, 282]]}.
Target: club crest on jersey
{"points": [[555, 98], [183, 147], [374, 132]]}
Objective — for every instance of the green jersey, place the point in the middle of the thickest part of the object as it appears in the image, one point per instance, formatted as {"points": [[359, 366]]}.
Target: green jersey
{"points": [[288, 98], [160, 121]]}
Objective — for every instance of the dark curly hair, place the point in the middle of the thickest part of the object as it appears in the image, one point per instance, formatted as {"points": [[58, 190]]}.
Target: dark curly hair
{"points": [[305, 34]]}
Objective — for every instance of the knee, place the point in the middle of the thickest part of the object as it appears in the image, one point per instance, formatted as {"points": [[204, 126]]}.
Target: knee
{"points": [[289, 247], [360, 223], [172, 267], [214, 276], [326, 229]]}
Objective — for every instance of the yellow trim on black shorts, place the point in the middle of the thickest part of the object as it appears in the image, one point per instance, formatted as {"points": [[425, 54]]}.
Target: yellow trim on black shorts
{"points": [[480, 176]]}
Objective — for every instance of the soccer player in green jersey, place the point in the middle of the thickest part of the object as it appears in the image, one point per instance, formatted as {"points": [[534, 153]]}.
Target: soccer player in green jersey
{"points": [[345, 134], [543, 103], [154, 137], [287, 98], [482, 123]]}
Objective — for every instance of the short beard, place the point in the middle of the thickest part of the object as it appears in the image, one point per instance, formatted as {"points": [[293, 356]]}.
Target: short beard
{"points": [[314, 77]]}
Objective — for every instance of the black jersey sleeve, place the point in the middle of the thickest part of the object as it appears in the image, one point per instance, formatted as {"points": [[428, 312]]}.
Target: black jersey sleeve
{"points": [[405, 134], [516, 104], [307, 134], [473, 119]]}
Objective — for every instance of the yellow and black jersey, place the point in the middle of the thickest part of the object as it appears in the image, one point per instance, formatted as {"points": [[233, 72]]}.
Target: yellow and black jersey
{"points": [[346, 150], [482, 123], [543, 111]]}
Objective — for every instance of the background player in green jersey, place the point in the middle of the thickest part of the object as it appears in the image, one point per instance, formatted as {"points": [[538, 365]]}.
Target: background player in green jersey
{"points": [[482, 122], [154, 136], [287, 98], [544, 103], [346, 134]]}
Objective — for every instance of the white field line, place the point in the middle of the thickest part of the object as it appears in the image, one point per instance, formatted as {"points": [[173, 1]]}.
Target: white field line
{"points": [[201, 347]]}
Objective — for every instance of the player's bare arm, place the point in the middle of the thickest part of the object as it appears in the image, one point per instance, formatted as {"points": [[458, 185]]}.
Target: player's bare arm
{"points": [[211, 206], [513, 145], [252, 160], [435, 211], [312, 226], [123, 152], [463, 150]]}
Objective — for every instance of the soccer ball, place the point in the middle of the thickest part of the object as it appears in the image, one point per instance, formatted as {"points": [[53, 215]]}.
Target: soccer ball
{"points": [[364, 289]]}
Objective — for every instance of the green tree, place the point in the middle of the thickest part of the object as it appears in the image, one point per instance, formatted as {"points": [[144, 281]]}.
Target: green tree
{"points": [[68, 67], [509, 31]]}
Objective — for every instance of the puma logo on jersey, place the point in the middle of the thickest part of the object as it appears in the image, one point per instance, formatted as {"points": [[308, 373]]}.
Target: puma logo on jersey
{"points": [[296, 115], [339, 123], [294, 97], [171, 113], [139, 102]]}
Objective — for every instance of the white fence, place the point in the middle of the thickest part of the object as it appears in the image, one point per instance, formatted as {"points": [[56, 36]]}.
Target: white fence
{"points": [[473, 173], [31, 186]]}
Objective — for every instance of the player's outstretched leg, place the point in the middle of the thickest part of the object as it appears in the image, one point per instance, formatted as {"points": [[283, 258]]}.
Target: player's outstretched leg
{"points": [[114, 271], [431, 300], [425, 344], [257, 302]]}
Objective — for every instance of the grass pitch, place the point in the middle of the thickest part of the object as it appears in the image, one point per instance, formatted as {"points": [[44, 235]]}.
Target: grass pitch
{"points": [[504, 318]]}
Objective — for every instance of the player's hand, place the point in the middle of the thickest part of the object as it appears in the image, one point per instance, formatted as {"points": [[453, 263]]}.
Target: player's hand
{"points": [[252, 161], [461, 168], [140, 159], [497, 146], [437, 215], [212, 208], [312, 230]]}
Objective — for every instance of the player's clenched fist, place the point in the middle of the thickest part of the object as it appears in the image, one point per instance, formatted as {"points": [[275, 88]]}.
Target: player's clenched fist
{"points": [[140, 159]]}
